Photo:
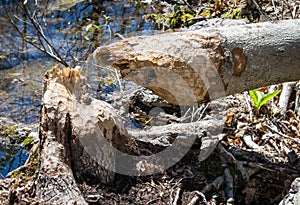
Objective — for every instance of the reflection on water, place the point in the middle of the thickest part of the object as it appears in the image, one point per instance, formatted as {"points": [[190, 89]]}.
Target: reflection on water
{"points": [[22, 67], [66, 29], [65, 23], [21, 90], [11, 159]]}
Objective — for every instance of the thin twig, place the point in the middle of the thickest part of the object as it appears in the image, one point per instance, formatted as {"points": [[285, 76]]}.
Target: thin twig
{"points": [[177, 196], [192, 114], [119, 81], [248, 105], [185, 115], [41, 36], [39, 29], [178, 184], [204, 109], [120, 36], [283, 135], [260, 10]]}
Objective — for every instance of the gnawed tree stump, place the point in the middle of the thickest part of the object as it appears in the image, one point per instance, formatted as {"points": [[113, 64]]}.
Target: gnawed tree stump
{"points": [[196, 66], [63, 125], [77, 134], [200, 65]]}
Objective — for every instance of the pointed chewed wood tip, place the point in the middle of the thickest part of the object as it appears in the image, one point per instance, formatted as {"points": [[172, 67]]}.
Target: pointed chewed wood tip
{"points": [[69, 77]]}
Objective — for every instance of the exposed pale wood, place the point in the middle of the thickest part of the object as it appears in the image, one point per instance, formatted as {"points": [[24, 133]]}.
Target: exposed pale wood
{"points": [[184, 67], [55, 183], [287, 89], [68, 119], [77, 133], [293, 197]]}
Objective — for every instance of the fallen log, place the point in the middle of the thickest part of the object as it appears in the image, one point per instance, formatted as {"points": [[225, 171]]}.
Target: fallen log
{"points": [[198, 66]]}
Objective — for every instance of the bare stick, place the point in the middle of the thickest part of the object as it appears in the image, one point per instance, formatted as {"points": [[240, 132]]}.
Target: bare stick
{"points": [[287, 89], [177, 196], [249, 142], [297, 100], [40, 35], [246, 96], [283, 135]]}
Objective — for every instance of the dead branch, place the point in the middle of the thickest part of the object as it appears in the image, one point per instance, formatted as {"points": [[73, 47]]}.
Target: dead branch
{"points": [[287, 89], [45, 46]]}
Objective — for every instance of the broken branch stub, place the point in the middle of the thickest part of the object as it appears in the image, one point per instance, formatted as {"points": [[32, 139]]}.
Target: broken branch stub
{"points": [[198, 66]]}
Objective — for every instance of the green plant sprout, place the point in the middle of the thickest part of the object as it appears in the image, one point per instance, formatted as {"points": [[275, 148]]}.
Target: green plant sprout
{"points": [[259, 98], [90, 28], [106, 20]]}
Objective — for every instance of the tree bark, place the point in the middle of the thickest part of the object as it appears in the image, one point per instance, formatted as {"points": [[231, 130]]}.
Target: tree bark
{"points": [[183, 68], [198, 66], [69, 122], [78, 134]]}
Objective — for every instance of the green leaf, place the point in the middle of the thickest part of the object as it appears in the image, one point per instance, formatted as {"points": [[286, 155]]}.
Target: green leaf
{"points": [[176, 8], [259, 98], [97, 27], [254, 96], [88, 27], [268, 97], [86, 38]]}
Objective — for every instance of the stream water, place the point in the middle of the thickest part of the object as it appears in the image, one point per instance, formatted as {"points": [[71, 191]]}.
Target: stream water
{"points": [[65, 24]]}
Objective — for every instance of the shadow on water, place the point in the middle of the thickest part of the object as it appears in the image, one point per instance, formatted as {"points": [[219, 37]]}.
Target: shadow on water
{"points": [[76, 29]]}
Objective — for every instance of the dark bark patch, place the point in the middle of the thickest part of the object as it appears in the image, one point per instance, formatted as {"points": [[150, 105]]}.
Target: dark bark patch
{"points": [[239, 61]]}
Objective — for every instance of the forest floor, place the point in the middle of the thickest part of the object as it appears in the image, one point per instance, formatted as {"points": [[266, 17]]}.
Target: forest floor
{"points": [[254, 163]]}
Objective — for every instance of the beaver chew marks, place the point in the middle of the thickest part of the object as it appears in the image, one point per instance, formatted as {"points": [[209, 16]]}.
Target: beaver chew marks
{"points": [[239, 61]]}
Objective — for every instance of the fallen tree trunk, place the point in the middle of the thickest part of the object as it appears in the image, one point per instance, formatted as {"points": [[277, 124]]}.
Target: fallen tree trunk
{"points": [[196, 66]]}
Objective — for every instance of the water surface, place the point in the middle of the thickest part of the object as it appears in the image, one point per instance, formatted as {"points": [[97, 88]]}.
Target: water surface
{"points": [[64, 24]]}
